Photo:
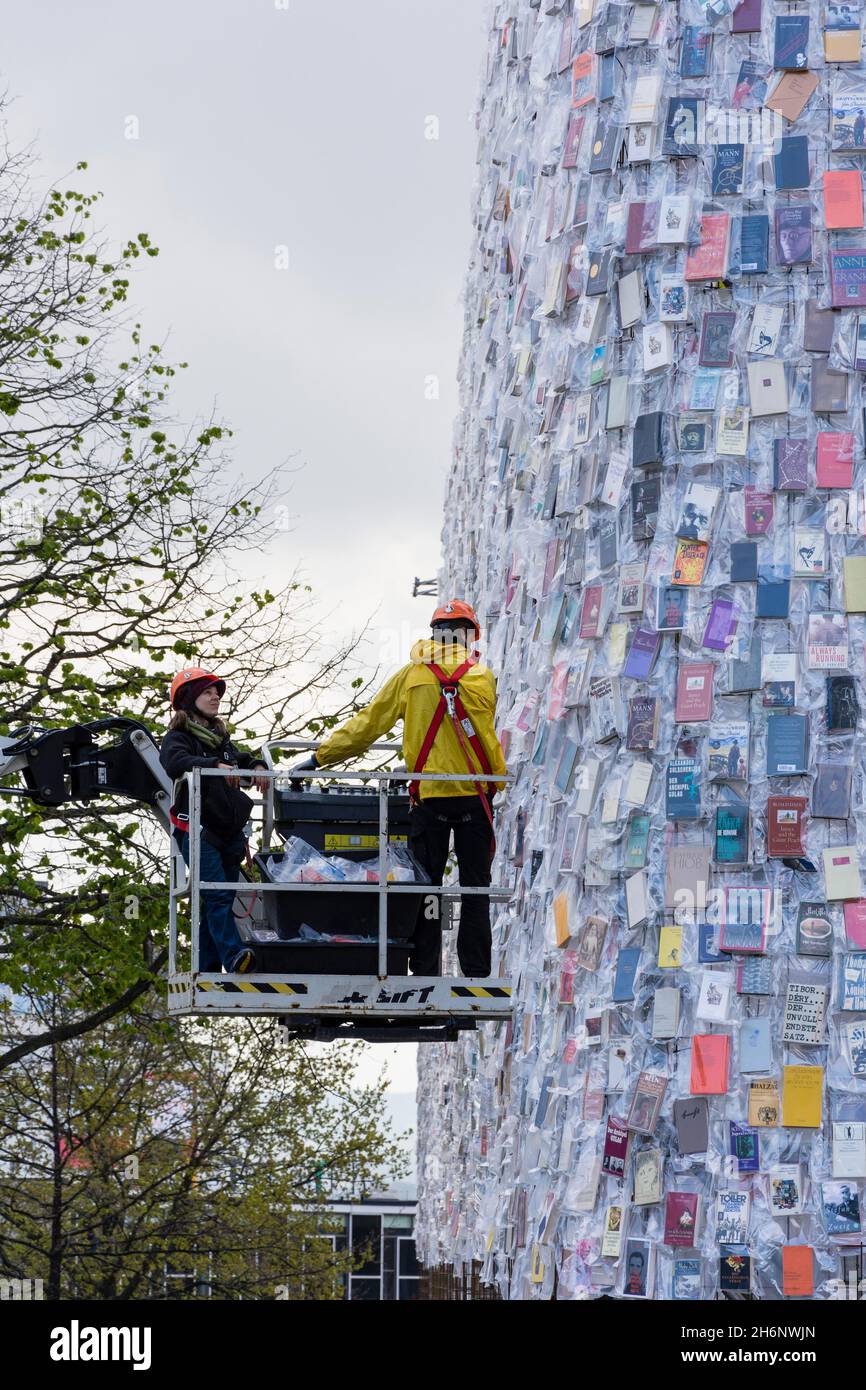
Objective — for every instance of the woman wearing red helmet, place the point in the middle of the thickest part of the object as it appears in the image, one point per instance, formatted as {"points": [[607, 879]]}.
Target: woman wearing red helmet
{"points": [[197, 737]]}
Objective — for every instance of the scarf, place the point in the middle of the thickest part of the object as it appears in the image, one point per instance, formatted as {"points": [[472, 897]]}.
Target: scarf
{"points": [[204, 733]]}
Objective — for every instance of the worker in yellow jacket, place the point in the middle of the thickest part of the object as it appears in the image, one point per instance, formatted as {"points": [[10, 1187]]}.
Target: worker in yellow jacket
{"points": [[446, 699]]}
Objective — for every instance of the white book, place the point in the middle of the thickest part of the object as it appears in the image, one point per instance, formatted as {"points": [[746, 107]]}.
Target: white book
{"points": [[842, 873], [674, 216], [638, 784], [644, 99], [768, 389], [617, 1065], [697, 512], [643, 18], [732, 1217], [785, 1189], [585, 782], [640, 143], [630, 296], [636, 901], [587, 319], [732, 431], [582, 416], [766, 326], [673, 299], [803, 1019], [849, 1150], [630, 590], [616, 414], [714, 997], [658, 347], [666, 1012]]}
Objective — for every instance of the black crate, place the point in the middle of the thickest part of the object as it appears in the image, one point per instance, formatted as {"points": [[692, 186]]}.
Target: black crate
{"points": [[327, 958], [342, 913], [344, 820]]}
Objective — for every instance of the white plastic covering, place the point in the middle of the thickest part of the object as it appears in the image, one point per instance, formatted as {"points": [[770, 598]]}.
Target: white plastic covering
{"points": [[552, 531]]}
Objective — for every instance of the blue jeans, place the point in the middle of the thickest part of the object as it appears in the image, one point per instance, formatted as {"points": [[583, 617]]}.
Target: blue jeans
{"points": [[219, 940]]}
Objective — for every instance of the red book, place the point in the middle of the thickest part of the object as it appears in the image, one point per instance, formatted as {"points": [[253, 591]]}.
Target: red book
{"points": [[694, 692], [681, 1218], [855, 922], [590, 613], [642, 228], [572, 140], [843, 198], [798, 1280], [709, 259], [711, 1054], [615, 1147], [785, 824], [834, 464]]}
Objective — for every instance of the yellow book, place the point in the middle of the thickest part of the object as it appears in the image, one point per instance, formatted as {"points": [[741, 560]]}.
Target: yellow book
{"points": [[616, 640], [560, 918], [670, 947], [842, 45], [763, 1104], [854, 574], [801, 1097]]}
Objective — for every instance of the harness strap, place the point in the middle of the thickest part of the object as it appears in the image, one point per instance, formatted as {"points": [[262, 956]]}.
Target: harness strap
{"points": [[463, 728]]}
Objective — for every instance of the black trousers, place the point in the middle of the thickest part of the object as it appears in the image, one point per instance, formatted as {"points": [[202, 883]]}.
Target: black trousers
{"points": [[430, 826]]}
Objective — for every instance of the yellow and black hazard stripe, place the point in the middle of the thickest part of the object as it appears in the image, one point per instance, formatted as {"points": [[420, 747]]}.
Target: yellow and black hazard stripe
{"points": [[247, 987], [480, 992], [178, 986]]}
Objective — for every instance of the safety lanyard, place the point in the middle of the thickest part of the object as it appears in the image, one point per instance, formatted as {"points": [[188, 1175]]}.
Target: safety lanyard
{"points": [[451, 704]]}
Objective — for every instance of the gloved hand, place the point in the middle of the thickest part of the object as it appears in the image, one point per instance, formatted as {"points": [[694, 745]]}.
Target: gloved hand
{"points": [[298, 784]]}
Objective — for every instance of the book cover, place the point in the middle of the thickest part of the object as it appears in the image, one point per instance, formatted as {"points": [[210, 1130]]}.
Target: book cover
{"points": [[834, 458], [746, 914], [805, 1007], [779, 679], [732, 1216], [573, 137], [732, 834], [697, 510], [708, 944], [666, 1013], [848, 120], [694, 700], [611, 1241], [854, 916], [854, 580], [755, 1046], [687, 874], [591, 611], [728, 751], [670, 947], [746, 18], [727, 171], [828, 641], [714, 996], [684, 127], [855, 1037], [791, 94], [754, 243], [791, 162], [647, 440], [787, 744], [627, 962], [732, 431], [694, 51], [790, 464], [645, 495], [785, 825], [647, 1102], [642, 227], [672, 299], [768, 389], [638, 1269], [616, 1142], [757, 511], [721, 626], [716, 331], [785, 1190], [710, 1063], [735, 1269], [691, 1120], [605, 146], [791, 42], [793, 224], [828, 390], [637, 840], [818, 327], [744, 673], [840, 1207], [681, 1218], [849, 1149], [643, 723], [755, 975], [764, 1104], [687, 1280], [693, 433], [798, 1280], [690, 559], [605, 708], [745, 1147], [683, 789], [848, 278], [841, 704], [831, 791], [751, 86], [773, 594], [671, 606], [674, 218], [708, 260], [843, 199], [744, 562], [810, 553], [766, 326], [802, 1089], [852, 993]]}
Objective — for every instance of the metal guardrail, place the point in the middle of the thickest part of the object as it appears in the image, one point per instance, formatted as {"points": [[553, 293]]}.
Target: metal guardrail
{"points": [[192, 884]]}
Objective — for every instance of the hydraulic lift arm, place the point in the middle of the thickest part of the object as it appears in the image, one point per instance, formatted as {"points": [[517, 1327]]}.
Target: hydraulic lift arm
{"points": [[62, 765]]}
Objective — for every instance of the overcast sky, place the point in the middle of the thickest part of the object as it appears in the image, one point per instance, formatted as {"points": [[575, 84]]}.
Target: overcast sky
{"points": [[297, 124], [260, 125]]}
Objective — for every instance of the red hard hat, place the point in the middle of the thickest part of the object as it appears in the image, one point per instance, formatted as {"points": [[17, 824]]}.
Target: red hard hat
{"points": [[457, 608], [195, 673]]}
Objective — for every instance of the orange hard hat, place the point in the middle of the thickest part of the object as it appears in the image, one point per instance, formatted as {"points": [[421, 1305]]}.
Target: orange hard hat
{"points": [[194, 673], [456, 608]]}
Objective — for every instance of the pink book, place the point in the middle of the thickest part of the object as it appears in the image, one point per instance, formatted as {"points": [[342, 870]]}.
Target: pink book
{"points": [[694, 692], [855, 922], [834, 464]]}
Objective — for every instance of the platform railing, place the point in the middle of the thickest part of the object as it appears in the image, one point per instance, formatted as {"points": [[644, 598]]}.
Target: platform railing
{"points": [[191, 884]]}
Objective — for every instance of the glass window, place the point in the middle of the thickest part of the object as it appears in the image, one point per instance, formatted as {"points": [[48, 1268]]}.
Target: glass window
{"points": [[408, 1259], [398, 1223], [366, 1242], [409, 1290], [365, 1290]]}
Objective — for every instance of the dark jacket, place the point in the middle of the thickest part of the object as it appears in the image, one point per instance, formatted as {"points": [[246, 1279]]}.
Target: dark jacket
{"points": [[225, 810]]}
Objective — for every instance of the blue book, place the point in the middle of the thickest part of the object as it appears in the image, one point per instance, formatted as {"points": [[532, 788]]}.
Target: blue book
{"points": [[708, 944], [607, 75], [791, 163], [787, 744], [683, 789], [773, 594], [745, 1147], [754, 243], [686, 1280], [728, 165], [791, 43], [695, 51], [755, 1049], [755, 975], [627, 962], [744, 562]]}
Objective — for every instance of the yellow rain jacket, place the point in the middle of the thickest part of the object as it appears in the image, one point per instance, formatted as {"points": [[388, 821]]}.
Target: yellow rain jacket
{"points": [[413, 695]]}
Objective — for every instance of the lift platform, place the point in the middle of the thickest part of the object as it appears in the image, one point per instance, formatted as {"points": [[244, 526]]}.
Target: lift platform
{"points": [[320, 1000], [356, 986]]}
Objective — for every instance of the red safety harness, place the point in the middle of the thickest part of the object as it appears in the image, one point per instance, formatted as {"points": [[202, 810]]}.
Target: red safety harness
{"points": [[451, 704]]}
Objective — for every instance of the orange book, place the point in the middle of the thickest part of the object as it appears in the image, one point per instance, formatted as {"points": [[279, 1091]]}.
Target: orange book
{"points": [[798, 1280], [843, 198], [711, 1054]]}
